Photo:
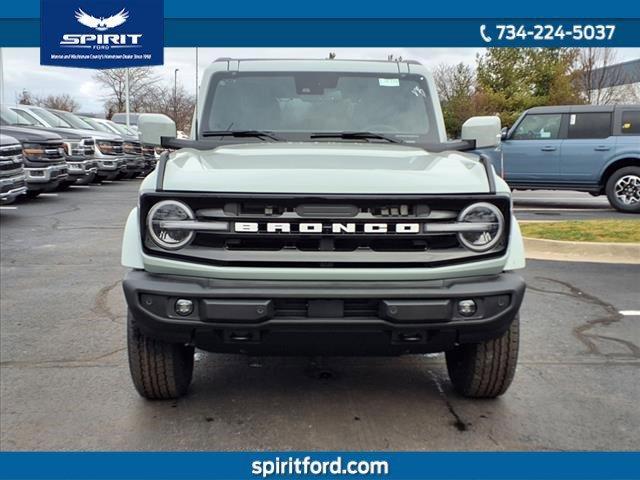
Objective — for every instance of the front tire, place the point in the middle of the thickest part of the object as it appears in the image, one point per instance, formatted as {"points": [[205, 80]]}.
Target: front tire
{"points": [[486, 369], [623, 190], [160, 370]]}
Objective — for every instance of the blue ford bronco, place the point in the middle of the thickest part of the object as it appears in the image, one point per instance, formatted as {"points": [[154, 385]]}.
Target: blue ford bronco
{"points": [[588, 148]]}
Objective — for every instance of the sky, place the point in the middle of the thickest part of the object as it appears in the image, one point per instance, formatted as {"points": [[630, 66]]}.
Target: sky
{"points": [[22, 69]]}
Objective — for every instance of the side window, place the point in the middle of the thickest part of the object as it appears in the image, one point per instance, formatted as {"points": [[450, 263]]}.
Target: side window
{"points": [[538, 127], [589, 125], [631, 122]]}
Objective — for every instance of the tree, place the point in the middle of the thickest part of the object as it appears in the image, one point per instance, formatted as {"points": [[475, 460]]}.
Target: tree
{"points": [[598, 82], [511, 80], [59, 102], [142, 81], [456, 90]]}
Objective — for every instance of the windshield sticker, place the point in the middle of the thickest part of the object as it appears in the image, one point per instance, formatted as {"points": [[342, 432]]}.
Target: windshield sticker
{"points": [[419, 92], [572, 120], [389, 82]]}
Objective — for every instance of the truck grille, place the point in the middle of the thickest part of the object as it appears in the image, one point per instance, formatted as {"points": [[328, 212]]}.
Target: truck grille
{"points": [[10, 152], [347, 231], [132, 148]]}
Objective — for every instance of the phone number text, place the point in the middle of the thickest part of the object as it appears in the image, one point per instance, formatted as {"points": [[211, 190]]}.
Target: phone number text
{"points": [[510, 32]]}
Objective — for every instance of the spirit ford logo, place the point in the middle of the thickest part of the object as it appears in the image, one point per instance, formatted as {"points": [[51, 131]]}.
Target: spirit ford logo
{"points": [[101, 24], [317, 227]]}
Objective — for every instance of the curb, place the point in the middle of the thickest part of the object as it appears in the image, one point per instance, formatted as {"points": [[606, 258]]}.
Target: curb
{"points": [[539, 249]]}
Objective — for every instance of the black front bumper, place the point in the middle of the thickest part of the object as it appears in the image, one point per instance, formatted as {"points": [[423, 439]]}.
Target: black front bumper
{"points": [[323, 318]]}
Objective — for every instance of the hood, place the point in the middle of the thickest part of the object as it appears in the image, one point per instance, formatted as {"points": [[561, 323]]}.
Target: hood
{"points": [[77, 133], [30, 134], [7, 140], [322, 168]]}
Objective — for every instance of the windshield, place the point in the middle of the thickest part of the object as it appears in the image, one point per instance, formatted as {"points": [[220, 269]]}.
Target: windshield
{"points": [[11, 117], [315, 102], [120, 129], [49, 118], [95, 125], [28, 118], [73, 120]]}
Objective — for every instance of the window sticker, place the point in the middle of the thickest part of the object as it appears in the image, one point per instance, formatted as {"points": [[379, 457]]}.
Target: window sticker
{"points": [[572, 120], [419, 92], [389, 82]]}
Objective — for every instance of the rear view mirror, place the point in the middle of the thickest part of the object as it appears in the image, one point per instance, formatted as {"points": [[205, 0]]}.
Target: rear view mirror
{"points": [[153, 126], [484, 131], [505, 133]]}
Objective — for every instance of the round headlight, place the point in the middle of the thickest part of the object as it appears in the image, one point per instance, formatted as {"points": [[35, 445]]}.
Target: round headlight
{"points": [[166, 211], [490, 225]]}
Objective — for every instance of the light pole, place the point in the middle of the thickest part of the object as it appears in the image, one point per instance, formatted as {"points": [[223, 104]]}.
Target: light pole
{"points": [[175, 95]]}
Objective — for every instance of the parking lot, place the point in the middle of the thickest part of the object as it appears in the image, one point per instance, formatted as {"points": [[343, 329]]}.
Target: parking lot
{"points": [[65, 383]]}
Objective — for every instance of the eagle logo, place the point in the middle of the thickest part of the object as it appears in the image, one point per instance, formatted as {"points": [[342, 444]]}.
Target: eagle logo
{"points": [[101, 24]]}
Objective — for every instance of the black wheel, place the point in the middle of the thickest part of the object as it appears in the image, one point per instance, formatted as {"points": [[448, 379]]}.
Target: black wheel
{"points": [[31, 194], [485, 370], [623, 190], [160, 370], [63, 187]]}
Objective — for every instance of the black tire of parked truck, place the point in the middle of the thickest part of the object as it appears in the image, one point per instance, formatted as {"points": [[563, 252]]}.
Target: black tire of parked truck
{"points": [[160, 370], [485, 370], [610, 189]]}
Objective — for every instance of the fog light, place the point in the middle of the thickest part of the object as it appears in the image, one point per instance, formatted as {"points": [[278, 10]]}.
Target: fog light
{"points": [[184, 307], [467, 308]]}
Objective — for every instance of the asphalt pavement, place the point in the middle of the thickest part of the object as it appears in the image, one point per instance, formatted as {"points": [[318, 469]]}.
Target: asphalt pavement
{"points": [[64, 380], [555, 205]]}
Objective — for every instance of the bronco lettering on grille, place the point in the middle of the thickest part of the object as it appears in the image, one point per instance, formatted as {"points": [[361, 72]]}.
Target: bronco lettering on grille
{"points": [[317, 227]]}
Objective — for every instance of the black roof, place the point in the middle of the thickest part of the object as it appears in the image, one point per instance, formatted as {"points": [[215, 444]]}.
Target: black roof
{"points": [[580, 108]]}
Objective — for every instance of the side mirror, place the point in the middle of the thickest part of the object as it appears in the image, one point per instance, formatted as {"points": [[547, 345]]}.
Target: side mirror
{"points": [[484, 131], [505, 133], [153, 126]]}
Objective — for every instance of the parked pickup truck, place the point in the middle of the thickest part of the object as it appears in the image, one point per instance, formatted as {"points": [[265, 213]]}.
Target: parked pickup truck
{"points": [[44, 158], [320, 210], [588, 148], [12, 178], [107, 152]]}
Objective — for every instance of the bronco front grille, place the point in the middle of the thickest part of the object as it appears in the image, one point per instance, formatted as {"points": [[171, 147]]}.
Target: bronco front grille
{"points": [[330, 232]]}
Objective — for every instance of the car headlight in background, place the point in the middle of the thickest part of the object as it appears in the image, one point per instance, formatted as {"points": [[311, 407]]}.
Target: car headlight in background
{"points": [[105, 147], [490, 226], [32, 151], [73, 147], [169, 211]]}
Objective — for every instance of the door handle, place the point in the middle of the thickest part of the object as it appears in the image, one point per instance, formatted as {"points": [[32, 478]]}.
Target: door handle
{"points": [[602, 148], [548, 148]]}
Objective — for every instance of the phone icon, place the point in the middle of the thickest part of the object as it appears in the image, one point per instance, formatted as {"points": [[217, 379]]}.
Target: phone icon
{"points": [[484, 36]]}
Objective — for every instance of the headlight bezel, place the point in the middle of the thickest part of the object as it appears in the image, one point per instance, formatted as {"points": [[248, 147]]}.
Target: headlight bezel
{"points": [[497, 238], [33, 151], [152, 234]]}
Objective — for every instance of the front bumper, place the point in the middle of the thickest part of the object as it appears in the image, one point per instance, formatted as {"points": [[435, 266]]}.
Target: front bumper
{"points": [[110, 168], [46, 178], [12, 187], [318, 317], [135, 163], [81, 171]]}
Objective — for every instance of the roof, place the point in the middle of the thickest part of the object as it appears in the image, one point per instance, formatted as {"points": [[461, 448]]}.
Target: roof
{"points": [[578, 108], [619, 74], [315, 65]]}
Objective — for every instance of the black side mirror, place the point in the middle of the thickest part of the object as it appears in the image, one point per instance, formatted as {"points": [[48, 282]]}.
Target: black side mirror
{"points": [[504, 133]]}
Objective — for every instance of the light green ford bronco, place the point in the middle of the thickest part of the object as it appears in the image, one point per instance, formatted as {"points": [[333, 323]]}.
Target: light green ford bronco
{"points": [[319, 209]]}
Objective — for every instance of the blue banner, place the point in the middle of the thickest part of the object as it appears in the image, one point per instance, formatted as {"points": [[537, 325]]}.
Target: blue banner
{"points": [[208, 32], [281, 465], [101, 34]]}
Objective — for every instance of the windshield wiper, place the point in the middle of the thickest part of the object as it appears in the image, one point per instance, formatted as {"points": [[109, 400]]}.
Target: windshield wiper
{"points": [[241, 133], [355, 136]]}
